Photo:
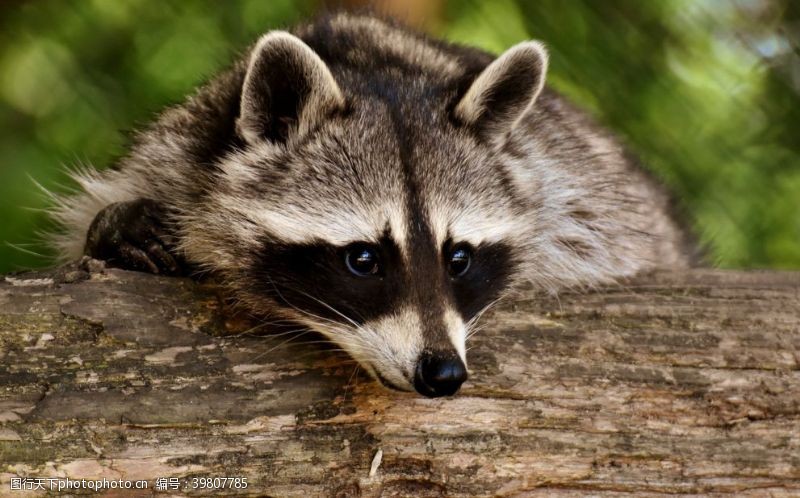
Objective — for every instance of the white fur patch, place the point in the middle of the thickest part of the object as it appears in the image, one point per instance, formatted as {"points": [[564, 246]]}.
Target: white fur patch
{"points": [[474, 228], [398, 342], [457, 331], [476, 223], [296, 224], [388, 346]]}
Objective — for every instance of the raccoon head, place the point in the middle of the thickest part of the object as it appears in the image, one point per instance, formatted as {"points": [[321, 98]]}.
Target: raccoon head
{"points": [[367, 203]]}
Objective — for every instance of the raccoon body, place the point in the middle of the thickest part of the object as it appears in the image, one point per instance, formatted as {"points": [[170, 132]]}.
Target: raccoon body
{"points": [[379, 187]]}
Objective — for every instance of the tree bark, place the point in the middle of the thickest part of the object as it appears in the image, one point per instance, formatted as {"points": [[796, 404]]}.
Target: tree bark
{"points": [[671, 384]]}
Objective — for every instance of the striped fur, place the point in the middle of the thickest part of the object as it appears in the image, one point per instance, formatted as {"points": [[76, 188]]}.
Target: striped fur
{"points": [[398, 140]]}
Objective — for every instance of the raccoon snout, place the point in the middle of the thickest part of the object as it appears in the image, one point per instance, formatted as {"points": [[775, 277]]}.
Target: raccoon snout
{"points": [[439, 374]]}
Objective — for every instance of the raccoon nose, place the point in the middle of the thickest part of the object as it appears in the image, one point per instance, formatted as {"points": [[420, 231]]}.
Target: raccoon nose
{"points": [[439, 375]]}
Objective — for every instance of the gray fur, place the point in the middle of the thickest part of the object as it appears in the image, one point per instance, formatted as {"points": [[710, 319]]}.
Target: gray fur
{"points": [[387, 109]]}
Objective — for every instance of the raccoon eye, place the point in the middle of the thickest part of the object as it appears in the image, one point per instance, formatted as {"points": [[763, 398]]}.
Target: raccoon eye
{"points": [[362, 260], [459, 260]]}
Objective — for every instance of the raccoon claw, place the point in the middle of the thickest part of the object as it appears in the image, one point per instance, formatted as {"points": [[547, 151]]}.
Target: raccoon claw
{"points": [[165, 260], [131, 236], [133, 258]]}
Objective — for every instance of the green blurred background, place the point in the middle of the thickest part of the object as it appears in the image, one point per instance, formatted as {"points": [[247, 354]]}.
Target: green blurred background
{"points": [[707, 93]]}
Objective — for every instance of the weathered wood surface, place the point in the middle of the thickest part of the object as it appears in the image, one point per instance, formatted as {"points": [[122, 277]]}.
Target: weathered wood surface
{"points": [[676, 384]]}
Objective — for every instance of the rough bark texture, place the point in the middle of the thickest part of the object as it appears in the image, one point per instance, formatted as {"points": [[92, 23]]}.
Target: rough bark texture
{"points": [[674, 384]]}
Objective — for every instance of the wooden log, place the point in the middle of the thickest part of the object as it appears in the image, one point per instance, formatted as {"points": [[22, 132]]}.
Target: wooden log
{"points": [[674, 383]]}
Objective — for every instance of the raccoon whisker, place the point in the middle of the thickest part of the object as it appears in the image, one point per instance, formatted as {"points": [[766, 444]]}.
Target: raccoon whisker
{"points": [[343, 336], [323, 322], [473, 334], [325, 351], [475, 319], [352, 378], [350, 320], [331, 350], [262, 325], [353, 341], [294, 335], [470, 326], [283, 334], [287, 341], [323, 303], [316, 299], [473, 327], [325, 341], [304, 312], [474, 331], [307, 354], [281, 322], [376, 345], [352, 375]]}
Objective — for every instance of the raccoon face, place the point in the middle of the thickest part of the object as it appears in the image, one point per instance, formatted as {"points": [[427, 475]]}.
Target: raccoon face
{"points": [[376, 216]]}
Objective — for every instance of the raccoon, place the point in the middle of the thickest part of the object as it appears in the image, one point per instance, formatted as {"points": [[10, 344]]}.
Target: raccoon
{"points": [[380, 187]]}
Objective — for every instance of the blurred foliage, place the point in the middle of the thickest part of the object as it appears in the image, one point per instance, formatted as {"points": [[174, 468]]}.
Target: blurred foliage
{"points": [[705, 92]]}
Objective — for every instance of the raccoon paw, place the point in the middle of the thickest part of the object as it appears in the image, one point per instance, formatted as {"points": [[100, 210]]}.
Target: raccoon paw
{"points": [[131, 235]]}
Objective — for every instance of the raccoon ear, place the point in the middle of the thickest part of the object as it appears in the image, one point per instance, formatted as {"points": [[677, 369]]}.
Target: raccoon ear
{"points": [[287, 90], [505, 90]]}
